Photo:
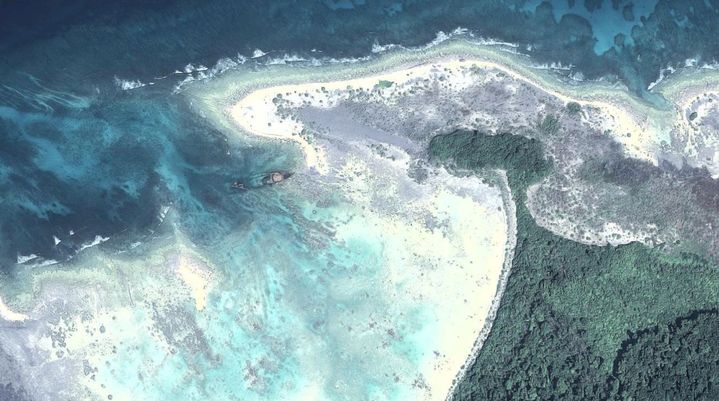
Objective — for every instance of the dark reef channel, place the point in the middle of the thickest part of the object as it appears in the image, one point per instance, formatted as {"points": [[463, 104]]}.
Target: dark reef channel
{"points": [[109, 171]]}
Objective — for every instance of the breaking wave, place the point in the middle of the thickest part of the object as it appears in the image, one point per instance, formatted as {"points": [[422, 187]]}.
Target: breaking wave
{"points": [[125, 84], [259, 57]]}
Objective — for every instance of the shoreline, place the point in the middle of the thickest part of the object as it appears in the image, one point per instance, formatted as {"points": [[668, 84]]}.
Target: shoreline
{"points": [[189, 279], [10, 315], [508, 200]]}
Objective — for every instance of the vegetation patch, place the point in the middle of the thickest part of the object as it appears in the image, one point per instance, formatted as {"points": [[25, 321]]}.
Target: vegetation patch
{"points": [[573, 108], [382, 84], [549, 125]]}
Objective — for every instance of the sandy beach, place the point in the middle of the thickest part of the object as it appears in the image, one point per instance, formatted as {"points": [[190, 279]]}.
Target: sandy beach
{"points": [[257, 113], [8, 314], [257, 104]]}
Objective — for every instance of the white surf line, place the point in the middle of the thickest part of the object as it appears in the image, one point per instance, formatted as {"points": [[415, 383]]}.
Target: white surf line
{"points": [[640, 127], [256, 113]]}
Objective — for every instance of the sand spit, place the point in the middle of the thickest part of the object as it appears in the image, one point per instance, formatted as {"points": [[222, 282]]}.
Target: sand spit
{"points": [[508, 201], [196, 276], [684, 129], [110, 319]]}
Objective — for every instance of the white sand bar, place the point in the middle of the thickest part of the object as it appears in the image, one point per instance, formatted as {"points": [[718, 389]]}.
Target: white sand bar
{"points": [[10, 315]]}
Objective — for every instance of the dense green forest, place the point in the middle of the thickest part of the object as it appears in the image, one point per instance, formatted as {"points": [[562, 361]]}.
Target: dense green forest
{"points": [[580, 322]]}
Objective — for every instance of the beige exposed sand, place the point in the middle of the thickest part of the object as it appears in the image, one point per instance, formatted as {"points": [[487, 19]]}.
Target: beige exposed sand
{"points": [[10, 315], [257, 113], [196, 278], [465, 296], [457, 267]]}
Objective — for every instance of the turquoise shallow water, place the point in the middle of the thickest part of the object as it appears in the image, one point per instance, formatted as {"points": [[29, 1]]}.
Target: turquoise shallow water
{"points": [[318, 298]]}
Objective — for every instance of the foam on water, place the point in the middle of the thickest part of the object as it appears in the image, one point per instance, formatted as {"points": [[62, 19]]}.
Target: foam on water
{"points": [[127, 84], [99, 239], [24, 258], [260, 58]]}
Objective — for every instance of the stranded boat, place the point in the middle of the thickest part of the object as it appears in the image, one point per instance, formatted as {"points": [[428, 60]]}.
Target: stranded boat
{"points": [[276, 177]]}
